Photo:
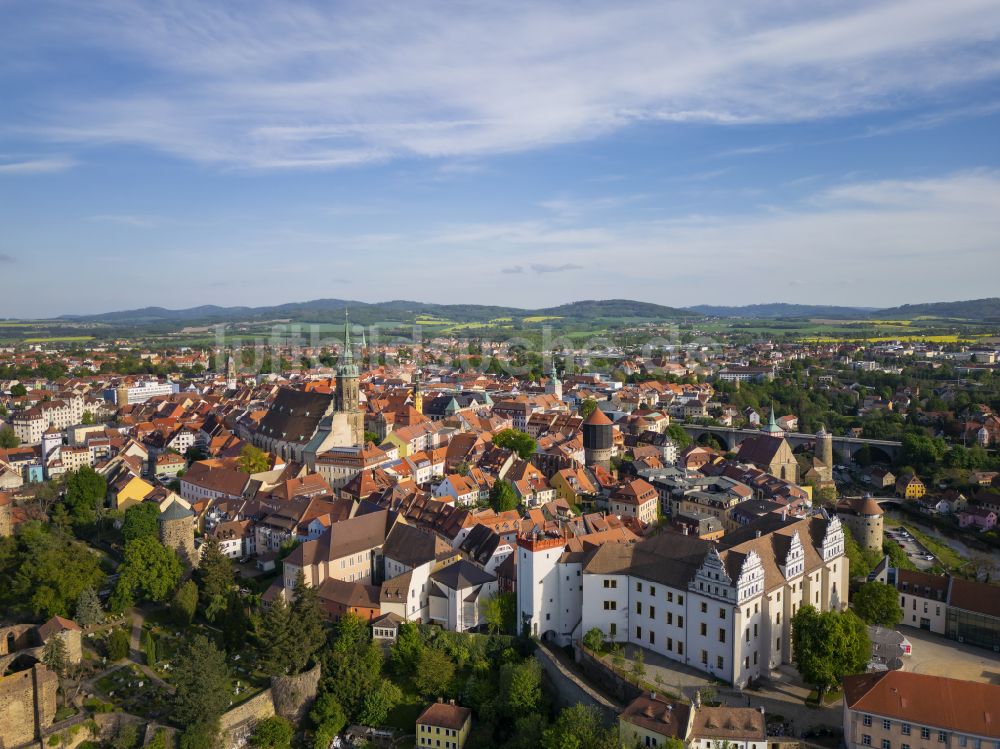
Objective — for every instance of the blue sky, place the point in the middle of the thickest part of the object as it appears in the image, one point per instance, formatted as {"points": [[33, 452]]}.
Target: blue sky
{"points": [[182, 153]]}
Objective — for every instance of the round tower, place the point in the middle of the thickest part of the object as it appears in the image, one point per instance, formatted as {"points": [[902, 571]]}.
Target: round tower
{"points": [[176, 524], [6, 521], [824, 447], [598, 439]]}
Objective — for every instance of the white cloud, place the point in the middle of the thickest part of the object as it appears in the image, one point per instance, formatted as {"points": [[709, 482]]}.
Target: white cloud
{"points": [[46, 165], [281, 86]]}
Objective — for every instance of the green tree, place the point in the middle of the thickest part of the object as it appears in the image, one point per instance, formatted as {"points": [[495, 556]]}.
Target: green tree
{"points": [[503, 498], [118, 644], [308, 628], [377, 703], [328, 717], [434, 673], [678, 436], [184, 603], [85, 493], [18, 390], [587, 407], [406, 651], [828, 646], [8, 438], [371, 437], [88, 418], [272, 733], [253, 460], [200, 736], [236, 623], [277, 639], [352, 664], [202, 685], [149, 572], [521, 686], [500, 613], [149, 648], [55, 656], [594, 639], [126, 736], [43, 572], [141, 521], [215, 579], [579, 727], [517, 441], [88, 608], [878, 603]]}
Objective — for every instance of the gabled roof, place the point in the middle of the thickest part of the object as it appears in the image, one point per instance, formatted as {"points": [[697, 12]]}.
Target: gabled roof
{"points": [[462, 574]]}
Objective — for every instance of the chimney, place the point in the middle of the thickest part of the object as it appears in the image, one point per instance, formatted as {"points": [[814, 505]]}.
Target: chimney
{"points": [[451, 702], [757, 534]]}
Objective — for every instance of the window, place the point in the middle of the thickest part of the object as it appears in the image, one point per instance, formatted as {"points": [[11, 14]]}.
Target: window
{"points": [[722, 613], [942, 737], [680, 621], [670, 618], [867, 720], [906, 729], [925, 733], [866, 740], [704, 657], [638, 633], [886, 744], [670, 596], [613, 630], [718, 663], [963, 740], [904, 746], [722, 635], [680, 647], [652, 637], [680, 600], [611, 605], [704, 607], [610, 583], [704, 629], [638, 607], [638, 587], [887, 725], [652, 590], [652, 612]]}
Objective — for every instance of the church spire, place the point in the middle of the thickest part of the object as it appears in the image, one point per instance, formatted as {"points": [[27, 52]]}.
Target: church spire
{"points": [[348, 354]]}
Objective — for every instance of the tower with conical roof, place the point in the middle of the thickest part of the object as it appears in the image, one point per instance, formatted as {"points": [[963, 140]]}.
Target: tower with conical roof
{"points": [[598, 439], [230, 373], [348, 396]]}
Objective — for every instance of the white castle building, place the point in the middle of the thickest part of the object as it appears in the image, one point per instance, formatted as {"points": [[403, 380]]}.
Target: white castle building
{"points": [[724, 608]]}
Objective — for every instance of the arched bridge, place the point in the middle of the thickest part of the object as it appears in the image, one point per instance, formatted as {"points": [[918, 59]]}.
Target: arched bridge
{"points": [[846, 447]]}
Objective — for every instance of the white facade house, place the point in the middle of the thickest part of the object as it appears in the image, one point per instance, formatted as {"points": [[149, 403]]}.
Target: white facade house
{"points": [[724, 609]]}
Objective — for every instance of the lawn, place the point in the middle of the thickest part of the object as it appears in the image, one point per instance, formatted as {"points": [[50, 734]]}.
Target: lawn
{"points": [[60, 339]]}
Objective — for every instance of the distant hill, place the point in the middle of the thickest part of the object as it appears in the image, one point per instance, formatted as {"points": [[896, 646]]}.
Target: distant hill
{"points": [[769, 311], [401, 311], [985, 310]]}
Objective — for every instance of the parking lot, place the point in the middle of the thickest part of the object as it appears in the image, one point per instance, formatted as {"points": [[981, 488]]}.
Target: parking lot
{"points": [[919, 555], [939, 656]]}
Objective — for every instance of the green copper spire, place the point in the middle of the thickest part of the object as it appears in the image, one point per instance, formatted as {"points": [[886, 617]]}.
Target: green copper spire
{"points": [[349, 355]]}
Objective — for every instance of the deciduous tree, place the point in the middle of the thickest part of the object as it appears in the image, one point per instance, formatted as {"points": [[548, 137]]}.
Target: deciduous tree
{"points": [[878, 603]]}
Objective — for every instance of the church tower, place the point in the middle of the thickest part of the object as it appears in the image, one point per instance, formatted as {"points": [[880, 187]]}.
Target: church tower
{"points": [[230, 373], [348, 397], [418, 394], [554, 385]]}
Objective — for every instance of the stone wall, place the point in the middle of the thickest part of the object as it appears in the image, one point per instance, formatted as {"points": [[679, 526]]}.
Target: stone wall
{"points": [[570, 689], [27, 704], [236, 725], [605, 679], [17, 637], [293, 695]]}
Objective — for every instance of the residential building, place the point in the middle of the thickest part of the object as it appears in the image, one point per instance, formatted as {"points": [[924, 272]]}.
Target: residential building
{"points": [[901, 709], [444, 725]]}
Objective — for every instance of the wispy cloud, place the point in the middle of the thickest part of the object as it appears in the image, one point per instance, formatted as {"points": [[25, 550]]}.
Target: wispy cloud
{"points": [[46, 165], [5, 258], [125, 219], [543, 268], [330, 86], [513, 269]]}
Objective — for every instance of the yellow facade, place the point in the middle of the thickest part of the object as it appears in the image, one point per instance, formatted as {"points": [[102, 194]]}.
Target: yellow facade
{"points": [[442, 738], [132, 493]]}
